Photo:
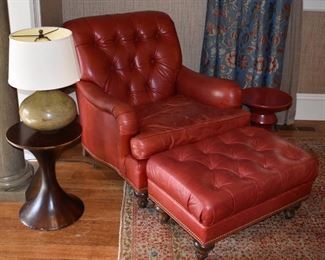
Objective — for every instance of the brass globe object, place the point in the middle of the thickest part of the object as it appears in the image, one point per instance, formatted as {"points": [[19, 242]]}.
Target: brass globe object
{"points": [[48, 110]]}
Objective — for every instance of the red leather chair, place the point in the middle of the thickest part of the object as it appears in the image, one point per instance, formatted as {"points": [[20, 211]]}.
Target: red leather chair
{"points": [[136, 98]]}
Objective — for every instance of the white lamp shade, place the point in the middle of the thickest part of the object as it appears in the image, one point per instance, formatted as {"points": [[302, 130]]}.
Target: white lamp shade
{"points": [[42, 64]]}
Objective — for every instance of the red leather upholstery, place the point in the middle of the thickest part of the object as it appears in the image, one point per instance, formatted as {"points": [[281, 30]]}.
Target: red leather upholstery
{"points": [[135, 97], [224, 182], [107, 123], [134, 57], [220, 93], [180, 120]]}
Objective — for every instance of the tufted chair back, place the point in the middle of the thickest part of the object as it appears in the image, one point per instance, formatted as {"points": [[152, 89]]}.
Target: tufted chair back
{"points": [[133, 57]]}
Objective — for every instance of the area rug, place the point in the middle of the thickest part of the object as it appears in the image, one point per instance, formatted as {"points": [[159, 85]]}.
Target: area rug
{"points": [[303, 237]]}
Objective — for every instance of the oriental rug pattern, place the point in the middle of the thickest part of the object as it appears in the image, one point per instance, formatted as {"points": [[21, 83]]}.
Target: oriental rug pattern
{"points": [[303, 237]]}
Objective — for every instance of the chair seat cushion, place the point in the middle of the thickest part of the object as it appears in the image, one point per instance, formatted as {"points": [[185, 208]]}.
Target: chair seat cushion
{"points": [[179, 120]]}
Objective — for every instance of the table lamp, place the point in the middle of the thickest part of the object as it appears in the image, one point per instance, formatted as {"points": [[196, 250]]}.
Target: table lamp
{"points": [[44, 60]]}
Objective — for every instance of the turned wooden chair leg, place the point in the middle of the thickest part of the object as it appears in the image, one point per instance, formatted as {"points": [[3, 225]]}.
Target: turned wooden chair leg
{"points": [[84, 152], [202, 252], [142, 199], [163, 216], [291, 211], [93, 161], [95, 164]]}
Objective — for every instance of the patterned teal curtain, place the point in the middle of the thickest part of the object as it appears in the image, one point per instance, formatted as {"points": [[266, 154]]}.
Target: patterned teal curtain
{"points": [[245, 39]]}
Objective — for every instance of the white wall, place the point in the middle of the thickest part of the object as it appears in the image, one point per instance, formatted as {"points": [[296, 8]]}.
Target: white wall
{"points": [[23, 14]]}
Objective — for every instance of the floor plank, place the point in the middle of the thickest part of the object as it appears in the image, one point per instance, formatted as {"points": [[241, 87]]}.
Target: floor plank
{"points": [[95, 235]]}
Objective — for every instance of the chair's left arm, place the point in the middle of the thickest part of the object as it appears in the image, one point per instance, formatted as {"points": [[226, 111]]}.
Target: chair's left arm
{"points": [[220, 93]]}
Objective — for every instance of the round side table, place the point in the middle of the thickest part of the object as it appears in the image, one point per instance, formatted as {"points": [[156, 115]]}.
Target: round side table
{"points": [[264, 103], [47, 206]]}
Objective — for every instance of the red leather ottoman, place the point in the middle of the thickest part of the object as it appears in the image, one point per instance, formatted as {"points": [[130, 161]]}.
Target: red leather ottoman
{"points": [[222, 184]]}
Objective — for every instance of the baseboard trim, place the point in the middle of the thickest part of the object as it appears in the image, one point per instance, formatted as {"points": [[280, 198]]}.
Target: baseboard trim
{"points": [[310, 107], [314, 5]]}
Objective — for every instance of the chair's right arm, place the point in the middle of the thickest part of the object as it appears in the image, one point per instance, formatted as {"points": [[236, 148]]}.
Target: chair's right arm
{"points": [[108, 124], [221, 93]]}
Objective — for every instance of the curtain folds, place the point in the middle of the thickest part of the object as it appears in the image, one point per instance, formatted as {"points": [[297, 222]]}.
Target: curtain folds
{"points": [[291, 63], [245, 40]]}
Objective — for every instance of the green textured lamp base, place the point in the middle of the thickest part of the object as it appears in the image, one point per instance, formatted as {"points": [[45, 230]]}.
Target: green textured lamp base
{"points": [[48, 110]]}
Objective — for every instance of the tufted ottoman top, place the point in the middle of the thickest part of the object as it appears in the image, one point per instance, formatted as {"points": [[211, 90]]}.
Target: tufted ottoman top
{"points": [[220, 176]]}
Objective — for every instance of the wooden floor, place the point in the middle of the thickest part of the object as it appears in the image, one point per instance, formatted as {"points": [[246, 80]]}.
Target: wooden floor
{"points": [[95, 235]]}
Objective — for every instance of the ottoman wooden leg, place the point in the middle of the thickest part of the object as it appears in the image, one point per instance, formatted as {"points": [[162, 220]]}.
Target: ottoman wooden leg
{"points": [[202, 252], [290, 212], [163, 216], [142, 199]]}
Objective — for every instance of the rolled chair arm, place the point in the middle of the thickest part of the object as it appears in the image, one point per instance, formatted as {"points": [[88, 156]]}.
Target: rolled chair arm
{"points": [[122, 112], [220, 93]]}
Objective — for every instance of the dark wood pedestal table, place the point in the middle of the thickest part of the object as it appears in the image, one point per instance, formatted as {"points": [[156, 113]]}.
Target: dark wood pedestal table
{"points": [[47, 206], [263, 103]]}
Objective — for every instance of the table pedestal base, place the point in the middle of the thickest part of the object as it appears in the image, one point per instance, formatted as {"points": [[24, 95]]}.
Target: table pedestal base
{"points": [[51, 212], [48, 206], [264, 120]]}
